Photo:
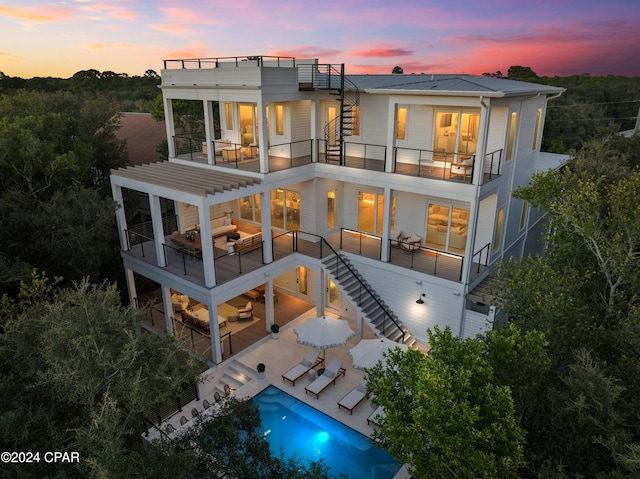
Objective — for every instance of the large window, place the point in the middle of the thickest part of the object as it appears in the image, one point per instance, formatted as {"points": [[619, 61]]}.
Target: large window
{"points": [[523, 215], [250, 208], [331, 209], [497, 234], [249, 124], [401, 123], [355, 121], [228, 115], [456, 133], [285, 209], [447, 228], [512, 135], [370, 212], [279, 119]]}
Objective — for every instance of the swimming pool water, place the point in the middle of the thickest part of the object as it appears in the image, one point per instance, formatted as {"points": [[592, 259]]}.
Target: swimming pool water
{"points": [[299, 429]]}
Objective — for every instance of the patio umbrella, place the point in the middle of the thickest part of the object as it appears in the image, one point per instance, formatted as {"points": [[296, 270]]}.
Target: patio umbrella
{"points": [[368, 352], [324, 332]]}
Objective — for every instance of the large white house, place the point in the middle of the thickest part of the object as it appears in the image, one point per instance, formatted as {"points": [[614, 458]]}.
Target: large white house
{"points": [[383, 198]]}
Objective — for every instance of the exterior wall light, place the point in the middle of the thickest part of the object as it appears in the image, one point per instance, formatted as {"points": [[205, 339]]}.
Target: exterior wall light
{"points": [[420, 300]]}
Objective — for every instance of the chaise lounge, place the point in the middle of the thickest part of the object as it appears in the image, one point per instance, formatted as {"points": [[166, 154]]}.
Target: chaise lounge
{"points": [[329, 376], [354, 397], [309, 362]]}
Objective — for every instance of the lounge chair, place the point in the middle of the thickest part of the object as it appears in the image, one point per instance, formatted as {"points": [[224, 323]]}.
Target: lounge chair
{"points": [[376, 416], [183, 420], [206, 404], [354, 397], [228, 390], [194, 413], [329, 376], [310, 361]]}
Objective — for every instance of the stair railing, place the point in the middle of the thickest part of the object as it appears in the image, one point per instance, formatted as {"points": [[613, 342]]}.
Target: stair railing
{"points": [[363, 288]]}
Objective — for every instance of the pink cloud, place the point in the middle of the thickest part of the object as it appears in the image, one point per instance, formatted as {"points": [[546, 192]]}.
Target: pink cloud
{"points": [[383, 52], [307, 52], [97, 47], [101, 10], [35, 14], [168, 28]]}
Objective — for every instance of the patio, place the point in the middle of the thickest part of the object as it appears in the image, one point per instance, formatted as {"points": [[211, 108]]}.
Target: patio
{"points": [[279, 355]]}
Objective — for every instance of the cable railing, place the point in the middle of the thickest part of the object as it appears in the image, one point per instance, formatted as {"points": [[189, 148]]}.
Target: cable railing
{"points": [[219, 62]]}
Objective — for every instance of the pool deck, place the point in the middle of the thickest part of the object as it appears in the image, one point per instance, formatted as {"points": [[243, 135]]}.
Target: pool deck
{"points": [[279, 355]]}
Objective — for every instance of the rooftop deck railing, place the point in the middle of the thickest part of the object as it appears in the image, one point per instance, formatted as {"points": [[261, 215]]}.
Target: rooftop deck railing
{"points": [[219, 62]]}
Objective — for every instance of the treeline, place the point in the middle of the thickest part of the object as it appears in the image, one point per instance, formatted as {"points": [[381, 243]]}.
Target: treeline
{"points": [[591, 108], [131, 93]]}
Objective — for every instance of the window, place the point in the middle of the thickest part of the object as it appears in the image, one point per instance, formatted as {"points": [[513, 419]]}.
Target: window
{"points": [[536, 132], [370, 212], [280, 119], [447, 228], [456, 134], [331, 209], [512, 135], [332, 115], [250, 208], [523, 215], [355, 119], [401, 123], [497, 234], [248, 124], [285, 209], [303, 282], [228, 114]]}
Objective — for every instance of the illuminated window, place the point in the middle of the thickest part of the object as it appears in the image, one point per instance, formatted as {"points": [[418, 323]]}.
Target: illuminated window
{"points": [[456, 133], [512, 135], [228, 113], [303, 276], [536, 132], [285, 209], [331, 209], [250, 208], [355, 119], [370, 212], [523, 215], [279, 119], [497, 235], [401, 123], [447, 228]]}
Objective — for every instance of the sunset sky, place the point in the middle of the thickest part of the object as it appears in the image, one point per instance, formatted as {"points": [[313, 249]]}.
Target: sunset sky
{"points": [[553, 37]]}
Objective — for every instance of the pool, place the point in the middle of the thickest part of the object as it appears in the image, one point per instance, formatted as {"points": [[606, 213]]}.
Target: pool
{"points": [[299, 429]]}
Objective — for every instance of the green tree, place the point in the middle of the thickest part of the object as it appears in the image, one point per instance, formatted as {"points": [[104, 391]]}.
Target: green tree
{"points": [[79, 374], [397, 70], [446, 415]]}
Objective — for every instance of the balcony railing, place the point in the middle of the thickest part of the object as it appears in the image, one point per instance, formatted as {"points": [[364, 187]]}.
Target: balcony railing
{"points": [[220, 62]]}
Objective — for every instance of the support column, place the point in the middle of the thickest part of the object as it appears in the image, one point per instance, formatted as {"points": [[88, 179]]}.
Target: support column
{"points": [[158, 230], [269, 305], [391, 136], [265, 224], [207, 245], [214, 328], [320, 291], [209, 130], [263, 140], [171, 128], [121, 218], [386, 223], [168, 309]]}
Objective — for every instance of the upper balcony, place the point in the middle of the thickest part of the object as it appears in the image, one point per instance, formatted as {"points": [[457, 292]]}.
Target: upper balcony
{"points": [[439, 165]]}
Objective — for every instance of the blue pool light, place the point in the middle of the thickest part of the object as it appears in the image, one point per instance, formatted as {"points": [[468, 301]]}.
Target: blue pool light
{"points": [[300, 430]]}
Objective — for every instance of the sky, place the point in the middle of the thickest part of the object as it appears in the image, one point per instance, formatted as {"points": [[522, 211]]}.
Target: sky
{"points": [[553, 37]]}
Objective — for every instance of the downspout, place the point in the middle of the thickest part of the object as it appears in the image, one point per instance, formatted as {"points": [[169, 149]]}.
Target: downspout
{"points": [[476, 209]]}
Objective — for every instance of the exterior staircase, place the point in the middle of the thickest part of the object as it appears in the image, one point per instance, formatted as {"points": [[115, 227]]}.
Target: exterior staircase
{"points": [[332, 78], [370, 305], [341, 127]]}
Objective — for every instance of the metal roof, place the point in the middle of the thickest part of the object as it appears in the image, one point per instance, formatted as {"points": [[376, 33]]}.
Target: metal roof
{"points": [[461, 83], [185, 178]]}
